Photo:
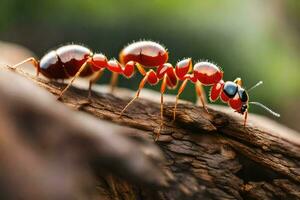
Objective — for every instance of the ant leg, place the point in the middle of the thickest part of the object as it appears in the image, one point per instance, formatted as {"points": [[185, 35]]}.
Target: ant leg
{"points": [[141, 69], [93, 80], [113, 81], [76, 76], [32, 60], [238, 81], [245, 119], [177, 97], [201, 94], [141, 86], [162, 91]]}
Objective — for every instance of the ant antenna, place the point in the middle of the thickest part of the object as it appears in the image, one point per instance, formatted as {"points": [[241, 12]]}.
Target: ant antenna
{"points": [[266, 108], [256, 85]]}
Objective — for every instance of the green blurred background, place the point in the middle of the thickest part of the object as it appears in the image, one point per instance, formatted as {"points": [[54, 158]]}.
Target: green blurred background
{"points": [[253, 39]]}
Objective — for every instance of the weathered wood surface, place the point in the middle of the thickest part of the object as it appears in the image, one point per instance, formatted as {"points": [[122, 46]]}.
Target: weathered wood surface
{"points": [[207, 156]]}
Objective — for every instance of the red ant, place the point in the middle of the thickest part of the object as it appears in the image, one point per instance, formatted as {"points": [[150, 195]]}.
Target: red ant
{"points": [[72, 61], [211, 75]]}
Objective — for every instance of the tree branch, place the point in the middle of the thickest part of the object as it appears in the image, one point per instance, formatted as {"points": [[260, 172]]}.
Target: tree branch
{"points": [[209, 156]]}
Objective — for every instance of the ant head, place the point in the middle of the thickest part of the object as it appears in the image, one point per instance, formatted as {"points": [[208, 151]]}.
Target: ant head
{"points": [[237, 96], [230, 89], [243, 94], [244, 98]]}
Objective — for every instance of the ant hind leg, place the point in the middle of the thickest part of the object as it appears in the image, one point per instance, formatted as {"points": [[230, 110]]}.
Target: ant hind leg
{"points": [[73, 79], [114, 81], [30, 60], [201, 94]]}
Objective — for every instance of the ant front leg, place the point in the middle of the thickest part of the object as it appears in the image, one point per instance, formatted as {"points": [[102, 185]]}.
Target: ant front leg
{"points": [[89, 61], [238, 81], [114, 81], [182, 87], [141, 86], [30, 60], [201, 94], [245, 118]]}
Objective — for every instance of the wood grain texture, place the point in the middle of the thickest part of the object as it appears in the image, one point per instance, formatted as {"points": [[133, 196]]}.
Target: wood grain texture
{"points": [[207, 156]]}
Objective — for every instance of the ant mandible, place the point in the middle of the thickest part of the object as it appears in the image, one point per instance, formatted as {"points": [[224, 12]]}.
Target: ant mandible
{"points": [[72, 61]]}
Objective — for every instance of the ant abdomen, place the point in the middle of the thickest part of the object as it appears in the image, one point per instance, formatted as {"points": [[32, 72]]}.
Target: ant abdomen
{"points": [[146, 53], [72, 61], [65, 62]]}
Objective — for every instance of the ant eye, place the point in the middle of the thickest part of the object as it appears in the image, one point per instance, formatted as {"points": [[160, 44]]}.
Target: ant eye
{"points": [[230, 89], [243, 95]]}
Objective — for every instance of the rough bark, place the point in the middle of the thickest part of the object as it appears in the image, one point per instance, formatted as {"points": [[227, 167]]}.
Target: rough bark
{"points": [[207, 156]]}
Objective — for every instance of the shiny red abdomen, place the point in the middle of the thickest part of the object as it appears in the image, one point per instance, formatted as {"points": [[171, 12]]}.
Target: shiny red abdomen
{"points": [[146, 53], [208, 73], [64, 62]]}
